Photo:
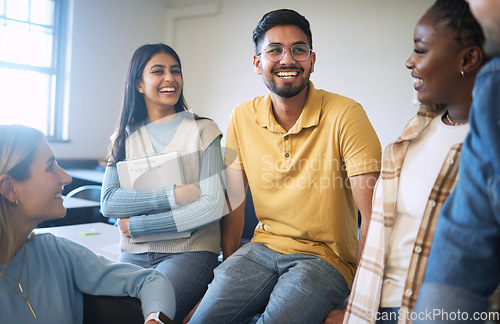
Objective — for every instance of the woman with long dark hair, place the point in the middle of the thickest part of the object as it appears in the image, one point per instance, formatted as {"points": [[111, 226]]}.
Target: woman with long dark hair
{"points": [[183, 218]]}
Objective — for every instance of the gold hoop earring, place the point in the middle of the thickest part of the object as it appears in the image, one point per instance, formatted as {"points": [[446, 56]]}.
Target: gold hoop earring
{"points": [[462, 74], [15, 203]]}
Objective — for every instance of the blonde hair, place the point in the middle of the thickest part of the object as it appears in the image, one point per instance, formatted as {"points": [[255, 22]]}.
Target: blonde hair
{"points": [[18, 146]]}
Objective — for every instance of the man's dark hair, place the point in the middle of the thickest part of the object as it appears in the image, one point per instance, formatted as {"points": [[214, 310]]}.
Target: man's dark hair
{"points": [[280, 17]]}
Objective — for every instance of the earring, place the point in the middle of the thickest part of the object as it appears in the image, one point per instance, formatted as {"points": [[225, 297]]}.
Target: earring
{"points": [[141, 91], [15, 203], [462, 74]]}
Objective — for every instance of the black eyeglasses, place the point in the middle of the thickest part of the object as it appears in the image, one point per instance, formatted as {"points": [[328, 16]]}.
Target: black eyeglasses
{"points": [[275, 52]]}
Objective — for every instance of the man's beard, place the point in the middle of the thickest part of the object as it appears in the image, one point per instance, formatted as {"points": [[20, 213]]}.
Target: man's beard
{"points": [[287, 90]]}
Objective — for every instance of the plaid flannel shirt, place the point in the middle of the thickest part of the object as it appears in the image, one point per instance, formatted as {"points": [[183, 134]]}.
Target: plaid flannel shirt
{"points": [[366, 290]]}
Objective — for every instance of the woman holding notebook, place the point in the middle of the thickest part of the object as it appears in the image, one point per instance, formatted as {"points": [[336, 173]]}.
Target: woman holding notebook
{"points": [[172, 227]]}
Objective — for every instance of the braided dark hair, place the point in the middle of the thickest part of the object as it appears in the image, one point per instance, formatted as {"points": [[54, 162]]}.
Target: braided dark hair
{"points": [[456, 15]]}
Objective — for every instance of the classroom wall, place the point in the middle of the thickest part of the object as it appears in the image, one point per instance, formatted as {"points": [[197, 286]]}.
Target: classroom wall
{"points": [[361, 47], [104, 35]]}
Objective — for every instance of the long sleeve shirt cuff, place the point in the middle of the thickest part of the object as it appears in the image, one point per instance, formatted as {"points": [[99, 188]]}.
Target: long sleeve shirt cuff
{"points": [[171, 197]]}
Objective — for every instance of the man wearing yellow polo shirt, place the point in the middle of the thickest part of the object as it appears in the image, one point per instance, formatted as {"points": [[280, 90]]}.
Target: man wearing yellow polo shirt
{"points": [[311, 158]]}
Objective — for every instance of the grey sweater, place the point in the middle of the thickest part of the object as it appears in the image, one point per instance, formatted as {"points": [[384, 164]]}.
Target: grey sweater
{"points": [[155, 211]]}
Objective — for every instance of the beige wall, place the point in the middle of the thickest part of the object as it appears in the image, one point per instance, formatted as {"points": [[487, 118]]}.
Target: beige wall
{"points": [[104, 35], [361, 48]]}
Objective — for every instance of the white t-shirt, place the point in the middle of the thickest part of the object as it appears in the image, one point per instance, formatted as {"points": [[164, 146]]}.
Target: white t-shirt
{"points": [[423, 161]]}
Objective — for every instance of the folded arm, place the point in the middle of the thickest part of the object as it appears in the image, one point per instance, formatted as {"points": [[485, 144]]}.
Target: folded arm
{"points": [[119, 202], [206, 210]]}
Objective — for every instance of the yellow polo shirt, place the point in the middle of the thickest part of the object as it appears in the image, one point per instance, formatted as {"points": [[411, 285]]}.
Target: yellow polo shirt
{"points": [[299, 179]]}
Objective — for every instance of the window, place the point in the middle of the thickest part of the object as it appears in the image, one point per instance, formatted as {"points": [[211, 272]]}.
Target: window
{"points": [[32, 64]]}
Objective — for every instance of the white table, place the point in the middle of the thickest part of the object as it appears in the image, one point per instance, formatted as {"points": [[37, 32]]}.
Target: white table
{"points": [[101, 238]]}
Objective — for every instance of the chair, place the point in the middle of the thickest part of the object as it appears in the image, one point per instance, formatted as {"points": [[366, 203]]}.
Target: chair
{"points": [[89, 192]]}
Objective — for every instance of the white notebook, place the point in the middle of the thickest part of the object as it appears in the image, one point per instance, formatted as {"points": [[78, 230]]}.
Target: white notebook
{"points": [[150, 173]]}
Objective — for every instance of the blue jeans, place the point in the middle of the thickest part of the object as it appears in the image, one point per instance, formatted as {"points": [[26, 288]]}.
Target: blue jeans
{"points": [[288, 288], [189, 272]]}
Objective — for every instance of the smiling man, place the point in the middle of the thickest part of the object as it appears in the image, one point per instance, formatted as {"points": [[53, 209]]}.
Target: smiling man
{"points": [[311, 159]]}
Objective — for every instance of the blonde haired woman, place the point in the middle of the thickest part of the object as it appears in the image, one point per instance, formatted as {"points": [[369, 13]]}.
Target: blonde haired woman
{"points": [[43, 277]]}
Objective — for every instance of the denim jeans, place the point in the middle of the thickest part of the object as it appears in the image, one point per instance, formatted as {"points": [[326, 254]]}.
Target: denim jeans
{"points": [[288, 288], [189, 272]]}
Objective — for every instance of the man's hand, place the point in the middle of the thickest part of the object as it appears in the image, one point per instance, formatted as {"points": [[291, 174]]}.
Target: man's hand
{"points": [[123, 226], [186, 194], [336, 316]]}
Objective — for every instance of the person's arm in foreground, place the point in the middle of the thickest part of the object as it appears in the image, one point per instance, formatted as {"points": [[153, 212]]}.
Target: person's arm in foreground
{"points": [[97, 275]]}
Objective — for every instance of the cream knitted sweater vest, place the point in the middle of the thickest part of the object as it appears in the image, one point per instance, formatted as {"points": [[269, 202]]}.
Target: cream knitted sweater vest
{"points": [[190, 141]]}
